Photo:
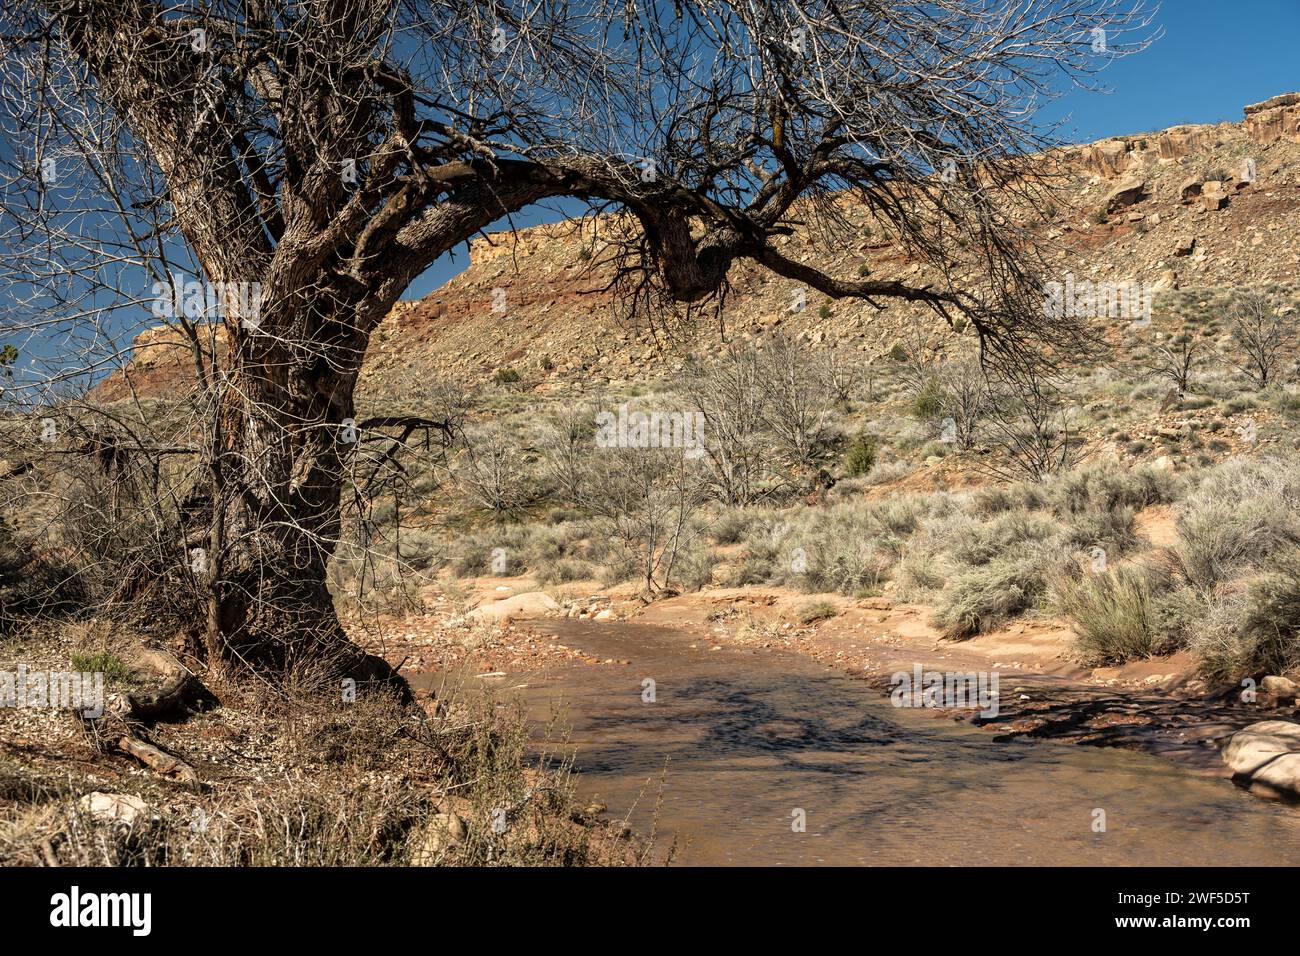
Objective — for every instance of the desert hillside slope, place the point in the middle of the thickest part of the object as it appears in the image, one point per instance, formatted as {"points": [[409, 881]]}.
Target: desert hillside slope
{"points": [[1187, 208]]}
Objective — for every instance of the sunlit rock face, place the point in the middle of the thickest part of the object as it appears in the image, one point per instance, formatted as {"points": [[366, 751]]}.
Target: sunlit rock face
{"points": [[1275, 118]]}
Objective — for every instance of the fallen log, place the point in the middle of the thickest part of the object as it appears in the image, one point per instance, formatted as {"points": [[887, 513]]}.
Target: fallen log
{"points": [[155, 759], [116, 729]]}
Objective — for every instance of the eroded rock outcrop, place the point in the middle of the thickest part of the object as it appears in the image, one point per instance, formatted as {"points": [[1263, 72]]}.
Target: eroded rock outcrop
{"points": [[1275, 118], [1267, 122], [1178, 142], [1128, 193]]}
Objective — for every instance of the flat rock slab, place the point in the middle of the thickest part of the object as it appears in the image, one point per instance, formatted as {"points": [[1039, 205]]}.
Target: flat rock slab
{"points": [[116, 808], [517, 607], [1267, 754]]}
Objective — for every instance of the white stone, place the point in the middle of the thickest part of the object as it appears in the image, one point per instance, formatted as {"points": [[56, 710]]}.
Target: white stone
{"points": [[1267, 753]]}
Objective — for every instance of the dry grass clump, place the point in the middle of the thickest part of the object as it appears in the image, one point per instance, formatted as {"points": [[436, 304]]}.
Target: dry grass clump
{"points": [[848, 547], [978, 574], [1129, 612], [982, 598], [1110, 488], [810, 612], [1253, 627]]}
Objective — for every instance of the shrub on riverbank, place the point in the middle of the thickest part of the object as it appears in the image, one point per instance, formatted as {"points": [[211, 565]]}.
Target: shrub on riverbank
{"points": [[1253, 628], [1242, 511], [814, 611], [984, 597], [1230, 594], [1124, 614]]}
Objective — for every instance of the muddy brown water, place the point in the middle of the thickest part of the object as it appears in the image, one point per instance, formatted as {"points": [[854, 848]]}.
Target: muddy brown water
{"points": [[737, 742]]}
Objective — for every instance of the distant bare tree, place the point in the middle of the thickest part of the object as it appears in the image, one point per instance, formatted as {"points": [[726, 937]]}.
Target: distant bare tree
{"points": [[876, 356], [452, 401], [1031, 429], [492, 470], [567, 445], [918, 351], [1263, 338], [841, 373], [964, 400], [795, 401], [729, 393], [1175, 360], [643, 500]]}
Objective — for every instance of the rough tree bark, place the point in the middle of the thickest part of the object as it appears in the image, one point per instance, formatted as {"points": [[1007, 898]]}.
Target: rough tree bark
{"points": [[277, 481]]}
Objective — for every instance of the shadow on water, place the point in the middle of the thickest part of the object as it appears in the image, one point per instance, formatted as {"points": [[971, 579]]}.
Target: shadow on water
{"points": [[751, 743]]}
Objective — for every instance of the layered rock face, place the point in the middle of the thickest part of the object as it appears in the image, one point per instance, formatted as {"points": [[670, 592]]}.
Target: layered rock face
{"points": [[1277, 118], [1274, 119]]}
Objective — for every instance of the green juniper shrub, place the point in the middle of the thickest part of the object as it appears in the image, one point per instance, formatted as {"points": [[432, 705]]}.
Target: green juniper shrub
{"points": [[860, 456]]}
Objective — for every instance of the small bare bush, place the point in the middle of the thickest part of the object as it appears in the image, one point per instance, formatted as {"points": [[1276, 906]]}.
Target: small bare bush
{"points": [[841, 374], [493, 472], [1175, 360], [567, 442], [645, 502], [1262, 338], [964, 401], [729, 393], [1031, 428], [796, 402]]}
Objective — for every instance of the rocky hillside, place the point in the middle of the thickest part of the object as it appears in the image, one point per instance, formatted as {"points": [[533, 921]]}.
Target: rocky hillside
{"points": [[1191, 207]]}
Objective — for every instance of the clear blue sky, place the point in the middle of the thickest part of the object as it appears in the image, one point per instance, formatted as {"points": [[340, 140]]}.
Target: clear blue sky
{"points": [[1214, 58]]}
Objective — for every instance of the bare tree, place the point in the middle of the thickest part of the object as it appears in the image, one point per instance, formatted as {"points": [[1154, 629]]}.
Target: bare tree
{"points": [[1263, 338], [303, 161], [643, 500], [566, 445], [452, 401], [918, 352], [795, 400], [1031, 428], [1175, 360], [492, 470], [877, 359], [729, 393], [964, 400], [841, 373]]}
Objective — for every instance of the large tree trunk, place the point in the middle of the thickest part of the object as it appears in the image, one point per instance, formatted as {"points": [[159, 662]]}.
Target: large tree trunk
{"points": [[277, 476]]}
